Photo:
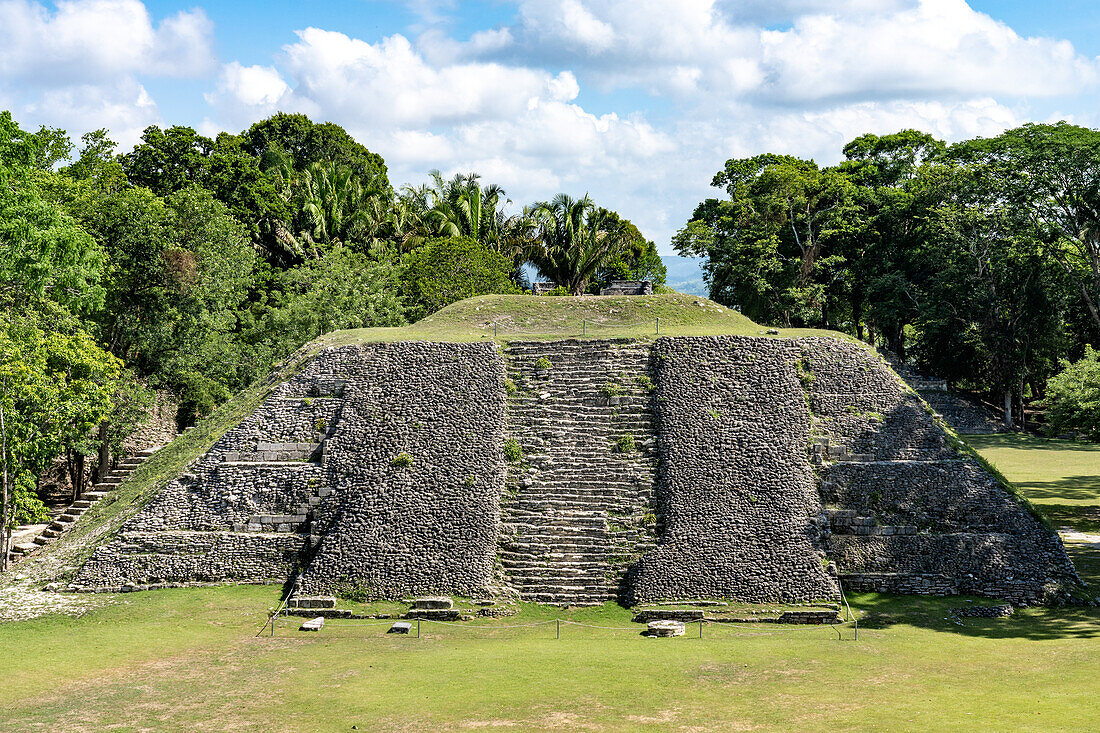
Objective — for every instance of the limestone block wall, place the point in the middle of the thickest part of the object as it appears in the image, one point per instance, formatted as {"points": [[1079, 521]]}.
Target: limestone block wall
{"points": [[904, 509], [314, 461], [737, 497], [426, 527]]}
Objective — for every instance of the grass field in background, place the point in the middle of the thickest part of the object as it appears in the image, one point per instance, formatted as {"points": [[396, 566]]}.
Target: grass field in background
{"points": [[1060, 477]]}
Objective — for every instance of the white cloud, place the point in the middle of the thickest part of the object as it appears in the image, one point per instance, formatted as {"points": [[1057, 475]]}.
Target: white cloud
{"points": [[85, 41], [124, 108]]}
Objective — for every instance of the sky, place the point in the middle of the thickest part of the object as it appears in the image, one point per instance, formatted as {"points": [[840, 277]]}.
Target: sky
{"points": [[636, 103]]}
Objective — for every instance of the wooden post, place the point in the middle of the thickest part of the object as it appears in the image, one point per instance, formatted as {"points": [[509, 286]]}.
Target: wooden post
{"points": [[557, 622], [658, 326], [4, 504]]}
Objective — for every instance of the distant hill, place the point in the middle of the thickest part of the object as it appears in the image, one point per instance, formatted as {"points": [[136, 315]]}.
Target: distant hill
{"points": [[685, 275]]}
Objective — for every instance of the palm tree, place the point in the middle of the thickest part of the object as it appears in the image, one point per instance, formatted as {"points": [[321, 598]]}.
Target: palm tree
{"points": [[575, 240], [335, 206]]}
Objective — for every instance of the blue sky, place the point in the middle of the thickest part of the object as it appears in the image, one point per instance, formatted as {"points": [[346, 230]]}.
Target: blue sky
{"points": [[636, 102]]}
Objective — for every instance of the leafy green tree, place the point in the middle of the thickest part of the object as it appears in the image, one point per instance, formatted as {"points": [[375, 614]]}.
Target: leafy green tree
{"points": [[342, 289], [448, 269], [1052, 172], [994, 303], [1073, 397], [44, 254], [636, 260], [56, 389], [305, 142], [775, 248]]}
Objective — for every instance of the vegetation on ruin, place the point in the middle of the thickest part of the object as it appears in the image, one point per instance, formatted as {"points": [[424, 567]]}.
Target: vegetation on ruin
{"points": [[523, 317]]}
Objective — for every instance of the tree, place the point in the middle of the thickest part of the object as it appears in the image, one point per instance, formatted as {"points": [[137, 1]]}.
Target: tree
{"points": [[636, 260], [774, 247], [1052, 172], [993, 303], [575, 240], [56, 389], [340, 290], [45, 256], [305, 142], [1073, 397], [448, 269]]}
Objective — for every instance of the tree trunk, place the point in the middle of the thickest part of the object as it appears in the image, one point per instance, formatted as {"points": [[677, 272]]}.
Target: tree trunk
{"points": [[1023, 414], [1008, 407], [75, 464], [103, 467]]}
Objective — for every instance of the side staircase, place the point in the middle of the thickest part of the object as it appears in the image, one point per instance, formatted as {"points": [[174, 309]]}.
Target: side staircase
{"points": [[580, 504], [64, 521]]}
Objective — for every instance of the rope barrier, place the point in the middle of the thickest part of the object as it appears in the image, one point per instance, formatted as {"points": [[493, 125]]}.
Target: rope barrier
{"points": [[757, 629], [490, 628]]}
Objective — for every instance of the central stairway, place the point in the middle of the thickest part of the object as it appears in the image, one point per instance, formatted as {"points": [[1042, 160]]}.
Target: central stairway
{"points": [[580, 502]]}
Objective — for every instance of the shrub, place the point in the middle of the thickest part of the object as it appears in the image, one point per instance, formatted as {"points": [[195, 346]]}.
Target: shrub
{"points": [[402, 460], [645, 383], [448, 269], [625, 444], [543, 363], [1073, 397], [358, 591], [510, 386], [512, 450], [611, 389]]}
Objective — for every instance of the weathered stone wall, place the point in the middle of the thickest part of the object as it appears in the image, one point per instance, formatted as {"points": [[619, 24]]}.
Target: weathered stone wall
{"points": [[737, 496], [430, 526], [913, 511], [314, 461]]}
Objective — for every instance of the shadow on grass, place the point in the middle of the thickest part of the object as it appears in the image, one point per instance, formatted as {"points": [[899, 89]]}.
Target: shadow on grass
{"points": [[1070, 488], [883, 610], [1016, 441]]}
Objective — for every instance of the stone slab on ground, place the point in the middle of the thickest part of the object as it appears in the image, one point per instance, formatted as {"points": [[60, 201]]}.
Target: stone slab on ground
{"points": [[665, 628], [431, 602], [809, 617], [644, 615], [435, 614], [312, 602], [401, 627], [314, 624]]}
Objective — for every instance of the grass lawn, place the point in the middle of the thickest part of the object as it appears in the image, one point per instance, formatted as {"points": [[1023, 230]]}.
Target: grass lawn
{"points": [[1061, 477], [189, 660]]}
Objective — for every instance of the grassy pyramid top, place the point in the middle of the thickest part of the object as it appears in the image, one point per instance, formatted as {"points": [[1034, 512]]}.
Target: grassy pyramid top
{"points": [[519, 317]]}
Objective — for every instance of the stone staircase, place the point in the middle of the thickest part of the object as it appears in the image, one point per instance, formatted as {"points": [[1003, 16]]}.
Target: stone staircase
{"points": [[579, 509], [64, 521]]}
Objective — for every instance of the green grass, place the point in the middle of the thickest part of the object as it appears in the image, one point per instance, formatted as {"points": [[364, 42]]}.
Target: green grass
{"points": [[189, 660], [520, 317], [1060, 477]]}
